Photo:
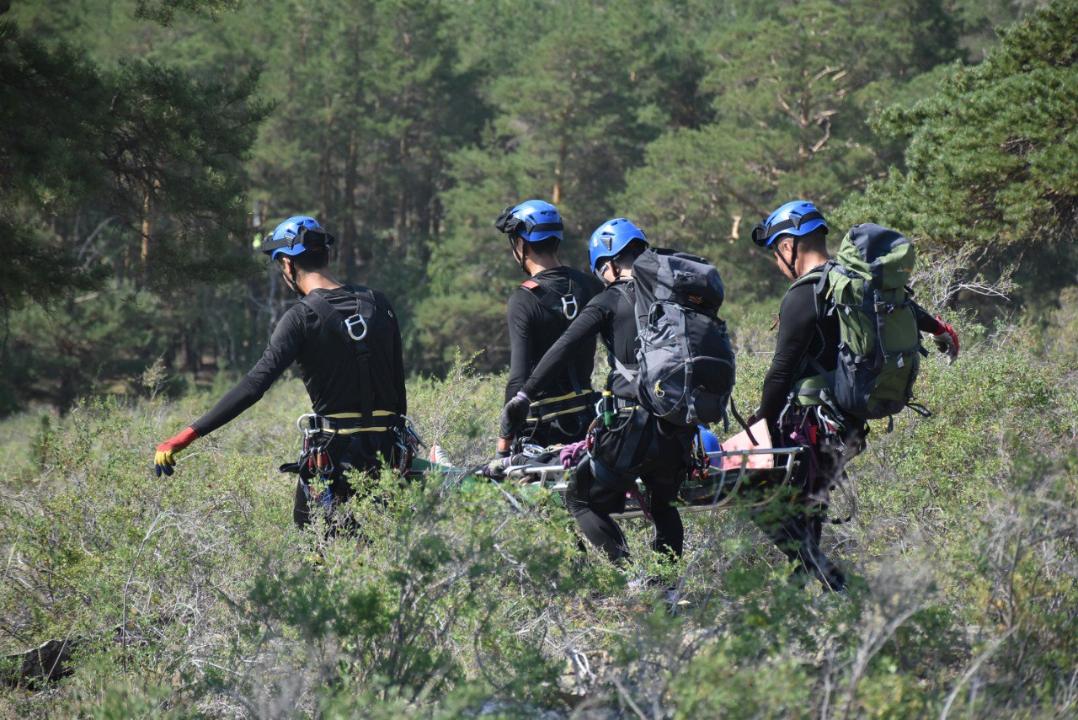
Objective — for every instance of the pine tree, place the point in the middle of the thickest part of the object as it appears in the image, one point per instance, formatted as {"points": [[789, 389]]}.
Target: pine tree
{"points": [[990, 158], [792, 85], [133, 172], [581, 90]]}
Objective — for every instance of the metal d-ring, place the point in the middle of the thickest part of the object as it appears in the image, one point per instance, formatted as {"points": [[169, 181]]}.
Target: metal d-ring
{"points": [[569, 306], [350, 324]]}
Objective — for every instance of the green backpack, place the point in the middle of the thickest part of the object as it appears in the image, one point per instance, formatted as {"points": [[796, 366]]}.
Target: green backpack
{"points": [[879, 344]]}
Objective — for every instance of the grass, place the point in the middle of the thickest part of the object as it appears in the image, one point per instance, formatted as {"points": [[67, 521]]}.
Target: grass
{"points": [[195, 596]]}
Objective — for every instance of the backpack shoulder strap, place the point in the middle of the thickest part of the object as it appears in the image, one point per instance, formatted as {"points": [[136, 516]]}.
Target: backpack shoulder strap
{"points": [[624, 370], [818, 279], [622, 288], [621, 368]]}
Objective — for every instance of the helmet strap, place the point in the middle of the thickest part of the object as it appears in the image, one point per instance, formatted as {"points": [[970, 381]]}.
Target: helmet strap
{"points": [[791, 265], [618, 269], [520, 257], [290, 278]]}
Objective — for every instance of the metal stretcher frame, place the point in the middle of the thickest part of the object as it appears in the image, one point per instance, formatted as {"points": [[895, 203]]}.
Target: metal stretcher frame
{"points": [[553, 476]]}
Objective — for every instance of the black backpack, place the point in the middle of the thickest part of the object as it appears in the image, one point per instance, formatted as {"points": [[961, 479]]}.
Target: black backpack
{"points": [[685, 362]]}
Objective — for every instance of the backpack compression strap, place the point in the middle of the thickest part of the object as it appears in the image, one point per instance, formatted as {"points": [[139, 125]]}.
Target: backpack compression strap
{"points": [[819, 280]]}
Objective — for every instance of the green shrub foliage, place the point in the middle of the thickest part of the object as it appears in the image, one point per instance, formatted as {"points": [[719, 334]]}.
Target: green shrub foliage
{"points": [[196, 593], [145, 144]]}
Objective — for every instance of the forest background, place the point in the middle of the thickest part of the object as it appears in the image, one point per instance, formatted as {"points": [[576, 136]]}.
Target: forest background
{"points": [[148, 144], [145, 145]]}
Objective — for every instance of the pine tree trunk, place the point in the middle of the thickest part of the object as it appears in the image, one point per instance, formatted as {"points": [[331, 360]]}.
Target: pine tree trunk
{"points": [[144, 253], [563, 151], [350, 256]]}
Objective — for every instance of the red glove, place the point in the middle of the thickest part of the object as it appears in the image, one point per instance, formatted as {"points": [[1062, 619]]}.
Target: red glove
{"points": [[164, 459], [946, 339]]}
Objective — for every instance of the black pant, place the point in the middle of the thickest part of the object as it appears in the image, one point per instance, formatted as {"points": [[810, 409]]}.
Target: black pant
{"points": [[637, 446], [363, 452], [793, 516]]}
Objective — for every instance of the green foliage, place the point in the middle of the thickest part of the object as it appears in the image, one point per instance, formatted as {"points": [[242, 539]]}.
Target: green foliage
{"points": [[127, 150], [571, 115], [146, 149], [132, 172], [59, 354], [989, 158], [407, 126], [454, 603], [164, 11], [371, 104], [46, 146], [793, 85], [452, 324]]}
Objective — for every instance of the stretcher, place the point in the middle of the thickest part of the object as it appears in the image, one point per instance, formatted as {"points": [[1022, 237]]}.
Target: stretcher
{"points": [[744, 461]]}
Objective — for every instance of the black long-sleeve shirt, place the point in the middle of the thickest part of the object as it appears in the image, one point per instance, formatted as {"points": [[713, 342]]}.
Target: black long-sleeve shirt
{"points": [[804, 334], [611, 316], [536, 320], [326, 364]]}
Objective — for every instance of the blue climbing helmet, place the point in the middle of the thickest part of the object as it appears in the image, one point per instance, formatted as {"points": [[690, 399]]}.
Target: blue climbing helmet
{"points": [[611, 238], [797, 218], [532, 220], [294, 236]]}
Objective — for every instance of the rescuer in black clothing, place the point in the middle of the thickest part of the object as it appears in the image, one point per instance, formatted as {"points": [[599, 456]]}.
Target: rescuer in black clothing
{"points": [[803, 334], [539, 312], [796, 234], [347, 345], [636, 444]]}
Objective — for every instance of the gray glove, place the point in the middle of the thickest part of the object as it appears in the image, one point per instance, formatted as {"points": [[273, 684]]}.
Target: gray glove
{"points": [[514, 415]]}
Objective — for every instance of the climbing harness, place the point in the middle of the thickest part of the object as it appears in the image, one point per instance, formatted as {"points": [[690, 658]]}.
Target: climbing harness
{"points": [[319, 432], [549, 408], [570, 305], [825, 433]]}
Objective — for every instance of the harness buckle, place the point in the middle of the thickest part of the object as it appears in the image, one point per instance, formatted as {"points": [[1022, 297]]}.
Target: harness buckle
{"points": [[309, 423], [569, 306], [354, 321]]}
